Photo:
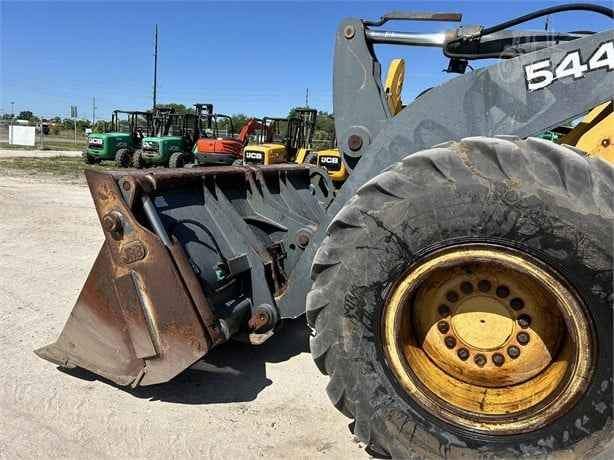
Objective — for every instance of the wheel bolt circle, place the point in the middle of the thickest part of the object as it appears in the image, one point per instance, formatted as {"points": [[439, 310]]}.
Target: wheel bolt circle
{"points": [[523, 338], [450, 342], [513, 351], [480, 360], [498, 359], [463, 353], [524, 321], [443, 327]]}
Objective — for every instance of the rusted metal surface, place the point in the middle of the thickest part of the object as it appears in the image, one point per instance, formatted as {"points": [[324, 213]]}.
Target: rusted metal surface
{"points": [[134, 318], [190, 258], [196, 292]]}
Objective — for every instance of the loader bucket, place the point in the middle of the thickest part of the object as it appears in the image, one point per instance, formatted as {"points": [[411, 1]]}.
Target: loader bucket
{"points": [[172, 280]]}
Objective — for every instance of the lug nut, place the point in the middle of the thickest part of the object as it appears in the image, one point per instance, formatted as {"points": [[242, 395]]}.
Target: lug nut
{"points": [[498, 359], [503, 292], [466, 287], [484, 285], [517, 303], [463, 353], [523, 338], [513, 351], [480, 360], [524, 321], [443, 327], [443, 310], [450, 342], [452, 296]]}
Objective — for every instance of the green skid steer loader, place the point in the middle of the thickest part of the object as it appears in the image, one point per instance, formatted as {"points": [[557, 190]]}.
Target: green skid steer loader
{"points": [[121, 141]]}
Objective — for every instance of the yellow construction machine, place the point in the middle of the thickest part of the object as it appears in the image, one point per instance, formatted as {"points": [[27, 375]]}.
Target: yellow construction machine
{"points": [[595, 133], [457, 285]]}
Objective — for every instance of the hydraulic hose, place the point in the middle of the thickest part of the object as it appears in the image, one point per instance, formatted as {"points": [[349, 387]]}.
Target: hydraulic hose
{"points": [[551, 10]]}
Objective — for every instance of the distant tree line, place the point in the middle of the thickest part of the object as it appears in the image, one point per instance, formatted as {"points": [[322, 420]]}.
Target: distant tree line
{"points": [[324, 131]]}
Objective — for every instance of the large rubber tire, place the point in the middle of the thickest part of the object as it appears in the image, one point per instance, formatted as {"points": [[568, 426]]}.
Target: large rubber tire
{"points": [[179, 160], [123, 158], [137, 160], [536, 196]]}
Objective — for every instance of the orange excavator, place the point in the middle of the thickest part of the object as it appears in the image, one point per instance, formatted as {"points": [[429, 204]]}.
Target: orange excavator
{"points": [[214, 150]]}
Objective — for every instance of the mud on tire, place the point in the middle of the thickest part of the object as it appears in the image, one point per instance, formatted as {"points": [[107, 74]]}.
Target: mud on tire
{"points": [[178, 160], [137, 160], [543, 199], [123, 158]]}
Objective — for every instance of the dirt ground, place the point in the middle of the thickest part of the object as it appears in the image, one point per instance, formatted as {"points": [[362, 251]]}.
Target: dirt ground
{"points": [[244, 402], [8, 153]]}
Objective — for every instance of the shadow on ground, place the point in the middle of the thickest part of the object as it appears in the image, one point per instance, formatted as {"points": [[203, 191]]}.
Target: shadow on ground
{"points": [[233, 372]]}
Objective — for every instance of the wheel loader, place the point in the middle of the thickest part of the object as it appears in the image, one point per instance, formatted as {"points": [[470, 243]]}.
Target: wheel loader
{"points": [[458, 286]]}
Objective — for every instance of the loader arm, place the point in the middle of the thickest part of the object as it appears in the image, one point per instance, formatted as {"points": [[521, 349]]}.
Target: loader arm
{"points": [[491, 101]]}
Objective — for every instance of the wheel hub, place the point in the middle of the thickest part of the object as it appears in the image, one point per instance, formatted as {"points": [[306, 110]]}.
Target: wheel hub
{"points": [[487, 338], [482, 323]]}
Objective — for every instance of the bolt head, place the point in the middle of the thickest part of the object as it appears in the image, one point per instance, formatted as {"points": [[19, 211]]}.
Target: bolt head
{"points": [[443, 310], [605, 142], [524, 321], [517, 303], [503, 292], [498, 359], [302, 239], [484, 285], [354, 142], [466, 287], [443, 327], [479, 360], [452, 296], [111, 223], [450, 342], [463, 354], [513, 351], [523, 338], [348, 32]]}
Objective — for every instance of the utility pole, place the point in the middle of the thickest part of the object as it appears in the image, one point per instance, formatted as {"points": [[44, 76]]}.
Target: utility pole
{"points": [[12, 112], [74, 115], [42, 135], [155, 78], [307, 98], [93, 111]]}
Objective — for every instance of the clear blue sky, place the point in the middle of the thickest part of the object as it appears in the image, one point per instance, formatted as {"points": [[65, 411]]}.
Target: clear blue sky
{"points": [[245, 57]]}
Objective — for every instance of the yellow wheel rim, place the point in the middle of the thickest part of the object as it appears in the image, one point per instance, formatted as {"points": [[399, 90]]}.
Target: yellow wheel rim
{"points": [[488, 339]]}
